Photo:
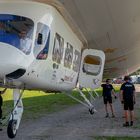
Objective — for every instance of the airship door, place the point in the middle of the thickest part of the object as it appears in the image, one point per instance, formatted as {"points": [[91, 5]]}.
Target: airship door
{"points": [[91, 70]]}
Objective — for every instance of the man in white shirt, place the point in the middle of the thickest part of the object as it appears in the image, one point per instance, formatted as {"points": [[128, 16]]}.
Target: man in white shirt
{"points": [[25, 42]]}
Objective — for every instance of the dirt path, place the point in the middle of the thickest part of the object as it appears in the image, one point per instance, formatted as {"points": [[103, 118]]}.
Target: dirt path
{"points": [[75, 123]]}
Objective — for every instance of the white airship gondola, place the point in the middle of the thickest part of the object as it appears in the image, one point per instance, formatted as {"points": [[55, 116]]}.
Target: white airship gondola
{"points": [[39, 51]]}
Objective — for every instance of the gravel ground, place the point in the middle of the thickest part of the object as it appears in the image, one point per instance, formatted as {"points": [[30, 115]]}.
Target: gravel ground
{"points": [[75, 123]]}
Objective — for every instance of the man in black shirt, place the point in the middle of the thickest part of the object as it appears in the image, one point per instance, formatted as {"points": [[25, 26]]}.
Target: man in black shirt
{"points": [[108, 90], [127, 94]]}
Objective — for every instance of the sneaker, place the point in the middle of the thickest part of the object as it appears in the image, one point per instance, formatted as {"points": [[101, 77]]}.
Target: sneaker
{"points": [[113, 116], [126, 124], [131, 123], [107, 115]]}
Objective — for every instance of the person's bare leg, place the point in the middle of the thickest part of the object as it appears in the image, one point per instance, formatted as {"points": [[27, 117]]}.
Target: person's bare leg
{"points": [[112, 110], [126, 115], [126, 119], [106, 109], [131, 117], [123, 116]]}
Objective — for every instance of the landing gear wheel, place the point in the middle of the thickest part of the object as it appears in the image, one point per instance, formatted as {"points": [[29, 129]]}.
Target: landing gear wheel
{"points": [[91, 111], [11, 129]]}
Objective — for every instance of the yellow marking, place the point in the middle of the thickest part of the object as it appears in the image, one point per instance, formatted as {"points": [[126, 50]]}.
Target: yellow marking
{"points": [[115, 59], [123, 59], [110, 70], [92, 60], [110, 50]]}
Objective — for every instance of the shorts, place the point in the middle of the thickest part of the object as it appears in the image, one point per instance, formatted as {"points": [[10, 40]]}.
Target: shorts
{"points": [[129, 105], [107, 100]]}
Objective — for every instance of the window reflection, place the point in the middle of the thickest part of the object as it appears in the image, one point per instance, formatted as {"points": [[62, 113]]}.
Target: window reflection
{"points": [[92, 65], [11, 27], [42, 41]]}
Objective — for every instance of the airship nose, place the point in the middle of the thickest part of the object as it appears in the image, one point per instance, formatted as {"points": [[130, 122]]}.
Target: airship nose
{"points": [[12, 60]]}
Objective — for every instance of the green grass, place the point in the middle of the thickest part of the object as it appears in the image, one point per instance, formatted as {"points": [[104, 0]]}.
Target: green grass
{"points": [[27, 94], [116, 138], [39, 103]]}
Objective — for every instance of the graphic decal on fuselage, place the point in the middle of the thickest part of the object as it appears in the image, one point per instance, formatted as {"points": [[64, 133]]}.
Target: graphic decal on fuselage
{"points": [[58, 49]]}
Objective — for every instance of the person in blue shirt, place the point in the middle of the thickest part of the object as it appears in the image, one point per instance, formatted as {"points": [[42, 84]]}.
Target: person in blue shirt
{"points": [[128, 99], [108, 90]]}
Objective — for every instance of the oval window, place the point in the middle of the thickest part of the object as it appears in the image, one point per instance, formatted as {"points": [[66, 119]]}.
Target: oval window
{"points": [[92, 65]]}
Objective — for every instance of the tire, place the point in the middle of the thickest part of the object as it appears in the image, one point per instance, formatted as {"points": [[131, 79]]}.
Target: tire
{"points": [[11, 130]]}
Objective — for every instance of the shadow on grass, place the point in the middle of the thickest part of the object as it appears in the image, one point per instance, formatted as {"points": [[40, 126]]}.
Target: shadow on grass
{"points": [[35, 107]]}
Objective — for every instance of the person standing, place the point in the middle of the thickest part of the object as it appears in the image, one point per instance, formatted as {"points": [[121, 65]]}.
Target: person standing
{"points": [[128, 99], [25, 42], [108, 90], [1, 102]]}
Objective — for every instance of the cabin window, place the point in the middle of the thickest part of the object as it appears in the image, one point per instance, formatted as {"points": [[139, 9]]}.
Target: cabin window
{"points": [[58, 48], [68, 56], [76, 61], [42, 41], [92, 65], [16, 31]]}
